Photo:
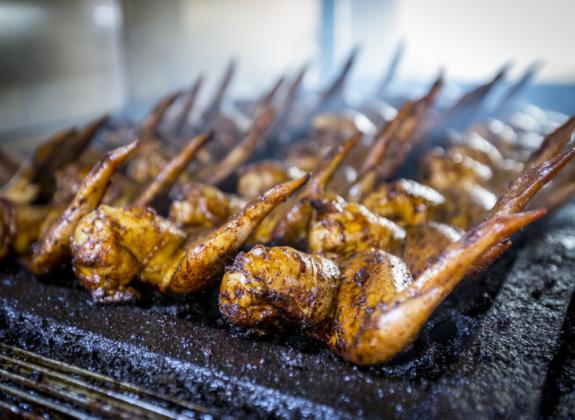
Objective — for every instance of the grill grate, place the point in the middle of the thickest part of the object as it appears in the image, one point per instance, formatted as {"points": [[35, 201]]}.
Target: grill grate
{"points": [[71, 391]]}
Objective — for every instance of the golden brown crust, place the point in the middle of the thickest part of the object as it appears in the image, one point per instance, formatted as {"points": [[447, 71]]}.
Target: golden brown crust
{"points": [[404, 201], [381, 309], [340, 229], [259, 177], [370, 280], [113, 246], [199, 205], [277, 286], [292, 228], [52, 247], [204, 261], [425, 242]]}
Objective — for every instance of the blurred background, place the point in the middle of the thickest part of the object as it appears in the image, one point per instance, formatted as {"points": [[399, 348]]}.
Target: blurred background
{"points": [[64, 61]]}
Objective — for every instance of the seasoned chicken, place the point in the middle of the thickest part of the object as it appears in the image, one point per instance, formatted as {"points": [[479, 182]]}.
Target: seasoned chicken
{"points": [[340, 228], [392, 144], [365, 259], [112, 247], [172, 170], [383, 299], [404, 201], [21, 224], [52, 247], [291, 227], [368, 310], [259, 177], [35, 179], [381, 307], [196, 205], [278, 286]]}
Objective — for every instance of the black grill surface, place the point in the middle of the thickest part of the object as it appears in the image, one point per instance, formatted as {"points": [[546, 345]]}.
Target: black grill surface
{"points": [[501, 346]]}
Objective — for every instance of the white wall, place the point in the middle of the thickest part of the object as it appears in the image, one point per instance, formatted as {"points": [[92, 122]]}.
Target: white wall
{"points": [[472, 38], [168, 46], [59, 60]]}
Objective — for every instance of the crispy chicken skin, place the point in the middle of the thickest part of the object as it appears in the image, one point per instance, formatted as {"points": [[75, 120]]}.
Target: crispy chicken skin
{"points": [[291, 228], [259, 177], [288, 223], [52, 247], [384, 300], [364, 263], [380, 306], [404, 201], [21, 224], [112, 247], [392, 144], [204, 260], [197, 205], [273, 286], [369, 279], [443, 169], [340, 228], [424, 242]]}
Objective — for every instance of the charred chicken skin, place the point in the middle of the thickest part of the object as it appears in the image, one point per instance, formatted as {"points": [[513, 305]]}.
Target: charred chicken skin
{"points": [[114, 246], [363, 259], [385, 292]]}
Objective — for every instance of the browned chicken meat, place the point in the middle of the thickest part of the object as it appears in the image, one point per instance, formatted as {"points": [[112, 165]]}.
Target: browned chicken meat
{"points": [[367, 312], [359, 260], [196, 205], [277, 286], [114, 246], [387, 291], [259, 177]]}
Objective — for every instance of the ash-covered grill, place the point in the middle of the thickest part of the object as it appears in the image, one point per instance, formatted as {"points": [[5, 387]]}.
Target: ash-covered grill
{"points": [[496, 348]]}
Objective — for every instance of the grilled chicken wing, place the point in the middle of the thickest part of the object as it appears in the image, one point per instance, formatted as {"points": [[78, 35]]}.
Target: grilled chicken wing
{"points": [[381, 308], [196, 205], [259, 177], [278, 285], [112, 247], [53, 244], [370, 308], [35, 179], [404, 201], [291, 228], [21, 224], [340, 228], [383, 299]]}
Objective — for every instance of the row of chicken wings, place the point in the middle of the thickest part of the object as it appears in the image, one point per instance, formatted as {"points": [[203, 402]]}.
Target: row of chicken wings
{"points": [[319, 235]]}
